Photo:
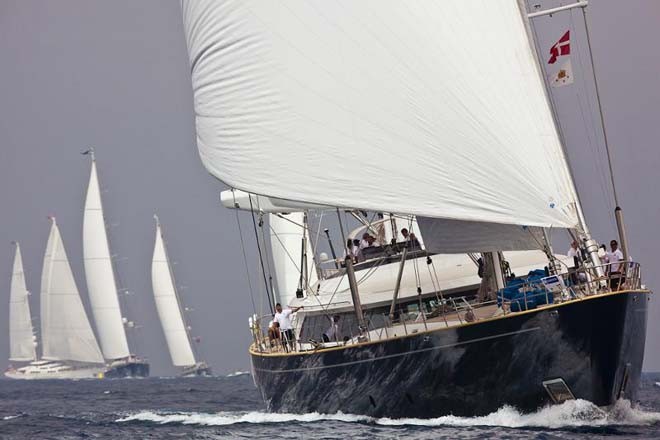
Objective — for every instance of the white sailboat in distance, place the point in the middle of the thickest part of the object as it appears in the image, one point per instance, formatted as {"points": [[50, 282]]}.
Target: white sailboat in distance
{"points": [[168, 304], [69, 347], [22, 340], [102, 288]]}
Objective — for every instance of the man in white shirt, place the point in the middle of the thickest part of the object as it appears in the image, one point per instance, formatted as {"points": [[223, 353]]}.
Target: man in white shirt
{"points": [[574, 254], [615, 257], [573, 251], [283, 318]]}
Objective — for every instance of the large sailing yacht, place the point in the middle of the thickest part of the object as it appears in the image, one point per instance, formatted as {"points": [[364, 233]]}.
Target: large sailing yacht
{"points": [[168, 304], [102, 288], [69, 348], [435, 114]]}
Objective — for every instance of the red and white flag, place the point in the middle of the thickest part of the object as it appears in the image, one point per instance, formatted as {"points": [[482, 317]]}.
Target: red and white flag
{"points": [[561, 47]]}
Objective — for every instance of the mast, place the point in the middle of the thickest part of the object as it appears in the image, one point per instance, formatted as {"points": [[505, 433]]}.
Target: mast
{"points": [[168, 304], [22, 340], [99, 272]]}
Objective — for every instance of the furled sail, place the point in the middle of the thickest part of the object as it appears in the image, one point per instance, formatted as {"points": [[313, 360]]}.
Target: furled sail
{"points": [[65, 330], [433, 108], [286, 238], [22, 342], [100, 276], [167, 304]]}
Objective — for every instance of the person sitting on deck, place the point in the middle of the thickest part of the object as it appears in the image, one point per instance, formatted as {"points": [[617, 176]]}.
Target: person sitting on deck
{"points": [[350, 250], [410, 237], [368, 240], [357, 252], [283, 318], [332, 333], [274, 334]]}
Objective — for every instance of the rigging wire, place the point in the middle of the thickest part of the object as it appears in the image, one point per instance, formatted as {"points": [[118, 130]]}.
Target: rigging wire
{"points": [[271, 299], [592, 134], [245, 261]]}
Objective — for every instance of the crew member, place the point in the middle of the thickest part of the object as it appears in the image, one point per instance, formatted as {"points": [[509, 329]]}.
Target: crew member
{"points": [[283, 318]]}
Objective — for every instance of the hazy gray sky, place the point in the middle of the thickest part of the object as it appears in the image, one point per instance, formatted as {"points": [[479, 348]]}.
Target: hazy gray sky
{"points": [[114, 75]]}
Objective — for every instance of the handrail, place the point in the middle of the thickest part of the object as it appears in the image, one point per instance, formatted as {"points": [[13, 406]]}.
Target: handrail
{"points": [[456, 311]]}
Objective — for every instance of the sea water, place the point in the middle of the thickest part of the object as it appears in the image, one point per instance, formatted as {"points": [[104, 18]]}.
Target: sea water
{"points": [[230, 407]]}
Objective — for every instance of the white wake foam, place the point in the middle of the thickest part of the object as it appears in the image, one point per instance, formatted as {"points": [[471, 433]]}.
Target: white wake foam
{"points": [[238, 373], [574, 413], [11, 417], [232, 418]]}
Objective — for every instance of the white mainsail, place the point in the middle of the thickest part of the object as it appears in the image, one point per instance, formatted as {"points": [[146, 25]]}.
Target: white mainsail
{"points": [[22, 340], [433, 108], [65, 330], [167, 304], [100, 276]]}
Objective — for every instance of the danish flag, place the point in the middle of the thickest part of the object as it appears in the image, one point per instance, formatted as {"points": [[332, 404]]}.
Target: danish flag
{"points": [[561, 47]]}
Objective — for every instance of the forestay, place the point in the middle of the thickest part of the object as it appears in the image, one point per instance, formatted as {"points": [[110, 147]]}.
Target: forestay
{"points": [[65, 330], [433, 108], [168, 306], [100, 275], [22, 343]]}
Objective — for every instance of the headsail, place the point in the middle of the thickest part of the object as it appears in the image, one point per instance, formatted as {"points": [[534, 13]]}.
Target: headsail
{"points": [[65, 330], [100, 276], [433, 108], [22, 341], [167, 304]]}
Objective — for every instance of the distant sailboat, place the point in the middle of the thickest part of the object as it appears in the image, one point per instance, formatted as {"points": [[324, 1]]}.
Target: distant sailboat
{"points": [[102, 288], [170, 313], [70, 350], [22, 340]]}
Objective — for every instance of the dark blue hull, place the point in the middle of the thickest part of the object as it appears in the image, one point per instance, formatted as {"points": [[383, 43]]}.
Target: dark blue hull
{"points": [[595, 345], [131, 369]]}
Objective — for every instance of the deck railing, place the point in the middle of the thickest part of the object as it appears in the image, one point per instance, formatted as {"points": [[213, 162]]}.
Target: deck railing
{"points": [[455, 311]]}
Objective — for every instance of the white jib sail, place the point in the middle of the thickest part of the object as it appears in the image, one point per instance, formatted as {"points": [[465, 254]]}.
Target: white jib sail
{"points": [[22, 340], [65, 330], [100, 276], [433, 108], [167, 304]]}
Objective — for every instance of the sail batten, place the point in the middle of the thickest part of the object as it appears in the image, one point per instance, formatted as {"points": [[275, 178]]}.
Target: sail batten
{"points": [[428, 108], [65, 330], [168, 306], [22, 341], [101, 284]]}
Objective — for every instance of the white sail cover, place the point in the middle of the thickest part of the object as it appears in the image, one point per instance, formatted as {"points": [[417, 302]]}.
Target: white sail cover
{"points": [[167, 304], [65, 330], [434, 108], [286, 235], [22, 342], [100, 276]]}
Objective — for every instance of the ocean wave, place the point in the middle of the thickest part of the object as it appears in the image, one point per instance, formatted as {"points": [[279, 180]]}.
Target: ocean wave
{"points": [[238, 373], [232, 418], [12, 417], [575, 413]]}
